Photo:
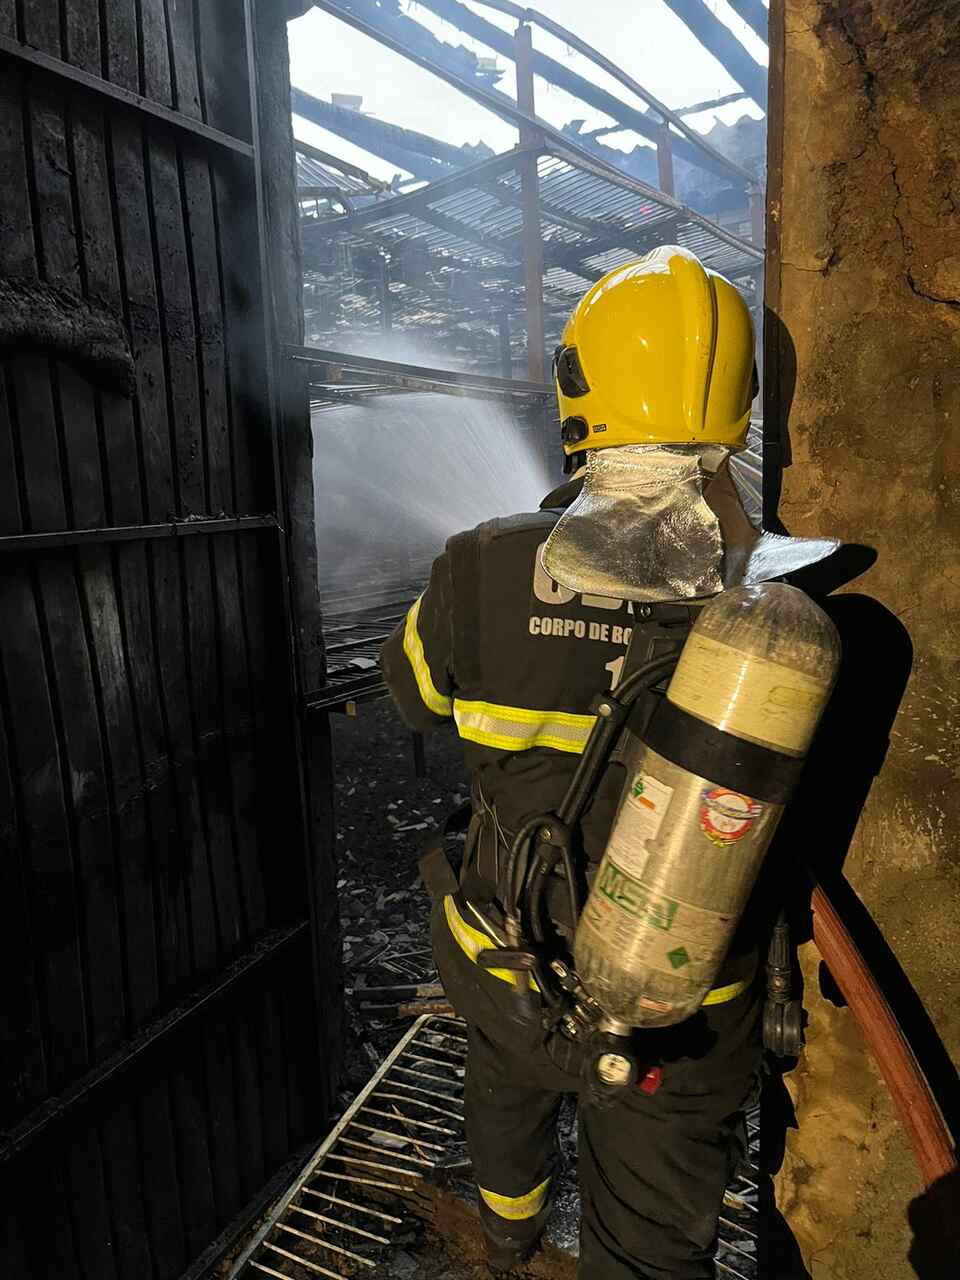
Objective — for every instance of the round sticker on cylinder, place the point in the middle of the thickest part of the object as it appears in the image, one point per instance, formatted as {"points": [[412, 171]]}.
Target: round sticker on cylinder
{"points": [[726, 816]]}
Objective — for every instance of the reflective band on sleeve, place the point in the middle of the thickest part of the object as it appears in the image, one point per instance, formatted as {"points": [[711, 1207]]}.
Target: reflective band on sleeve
{"points": [[413, 648], [471, 942], [516, 1208], [520, 728]]}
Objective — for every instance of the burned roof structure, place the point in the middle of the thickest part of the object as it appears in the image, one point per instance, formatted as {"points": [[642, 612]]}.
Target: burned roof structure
{"points": [[496, 245], [445, 262]]}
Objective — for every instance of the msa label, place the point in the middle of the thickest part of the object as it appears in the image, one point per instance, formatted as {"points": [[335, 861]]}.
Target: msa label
{"points": [[635, 898]]}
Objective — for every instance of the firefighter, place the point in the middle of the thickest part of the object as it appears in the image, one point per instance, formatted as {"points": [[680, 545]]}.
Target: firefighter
{"points": [[520, 627]]}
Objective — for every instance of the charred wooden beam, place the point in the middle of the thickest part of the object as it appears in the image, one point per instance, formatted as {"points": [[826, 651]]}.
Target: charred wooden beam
{"points": [[723, 101], [74, 78], [719, 40], [280, 280], [754, 14], [417, 153]]}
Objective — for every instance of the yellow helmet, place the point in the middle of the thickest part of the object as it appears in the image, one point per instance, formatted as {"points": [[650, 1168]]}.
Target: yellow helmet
{"points": [[659, 351]]}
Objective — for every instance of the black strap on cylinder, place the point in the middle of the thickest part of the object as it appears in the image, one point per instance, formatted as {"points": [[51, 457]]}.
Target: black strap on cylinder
{"points": [[701, 748]]}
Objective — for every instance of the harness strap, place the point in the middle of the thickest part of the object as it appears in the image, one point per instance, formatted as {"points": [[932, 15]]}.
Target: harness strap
{"points": [[472, 941]]}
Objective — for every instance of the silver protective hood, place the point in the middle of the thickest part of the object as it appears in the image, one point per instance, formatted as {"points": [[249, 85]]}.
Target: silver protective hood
{"points": [[666, 522]]}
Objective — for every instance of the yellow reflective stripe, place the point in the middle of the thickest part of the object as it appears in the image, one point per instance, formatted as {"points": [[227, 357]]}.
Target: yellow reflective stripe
{"points": [[516, 1208], [413, 648], [520, 728], [720, 995], [471, 941], [746, 966]]}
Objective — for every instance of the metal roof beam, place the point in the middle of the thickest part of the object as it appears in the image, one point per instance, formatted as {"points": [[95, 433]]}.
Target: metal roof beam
{"points": [[572, 257], [689, 146], [325, 359], [483, 176], [579, 159], [558, 143], [553, 212], [472, 235], [446, 153], [418, 202], [378, 137], [402, 147], [508, 248], [352, 170]]}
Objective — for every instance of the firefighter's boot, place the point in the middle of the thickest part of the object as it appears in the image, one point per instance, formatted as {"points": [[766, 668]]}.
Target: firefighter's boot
{"points": [[511, 1242]]}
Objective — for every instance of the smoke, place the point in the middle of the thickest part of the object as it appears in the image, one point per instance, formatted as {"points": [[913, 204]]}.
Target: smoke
{"points": [[404, 347], [395, 476]]}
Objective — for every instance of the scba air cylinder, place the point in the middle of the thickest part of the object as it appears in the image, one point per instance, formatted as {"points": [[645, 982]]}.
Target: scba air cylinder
{"points": [[703, 796]]}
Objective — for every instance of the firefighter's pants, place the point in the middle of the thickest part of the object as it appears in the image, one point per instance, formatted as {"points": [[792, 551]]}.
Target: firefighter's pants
{"points": [[652, 1168]]}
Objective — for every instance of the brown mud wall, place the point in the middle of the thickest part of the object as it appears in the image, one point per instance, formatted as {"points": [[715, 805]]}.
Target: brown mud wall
{"points": [[866, 284]]}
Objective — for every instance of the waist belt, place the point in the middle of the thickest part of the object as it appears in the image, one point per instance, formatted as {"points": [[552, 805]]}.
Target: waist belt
{"points": [[472, 941]]}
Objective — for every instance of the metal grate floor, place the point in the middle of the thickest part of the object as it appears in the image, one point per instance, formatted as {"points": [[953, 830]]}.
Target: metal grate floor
{"points": [[357, 1198], [361, 1196]]}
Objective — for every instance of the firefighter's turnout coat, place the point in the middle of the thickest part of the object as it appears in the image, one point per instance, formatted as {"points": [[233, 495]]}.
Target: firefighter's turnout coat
{"points": [[514, 661]]}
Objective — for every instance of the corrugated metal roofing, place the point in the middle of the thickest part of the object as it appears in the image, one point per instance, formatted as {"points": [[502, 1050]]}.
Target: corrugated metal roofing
{"points": [[313, 173], [445, 259], [591, 220]]}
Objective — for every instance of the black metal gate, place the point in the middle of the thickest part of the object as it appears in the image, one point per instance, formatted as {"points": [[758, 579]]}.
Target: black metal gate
{"points": [[161, 831]]}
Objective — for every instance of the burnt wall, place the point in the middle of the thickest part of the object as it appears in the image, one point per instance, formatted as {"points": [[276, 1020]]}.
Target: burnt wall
{"points": [[166, 898], [864, 291]]}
